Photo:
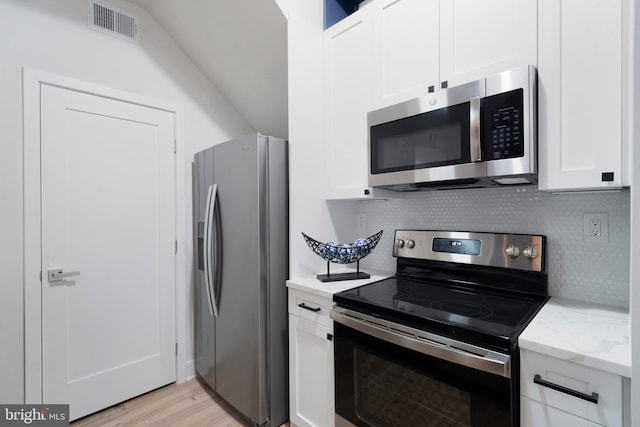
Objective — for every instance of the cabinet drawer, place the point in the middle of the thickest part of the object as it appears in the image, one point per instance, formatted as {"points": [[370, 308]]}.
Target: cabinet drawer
{"points": [[586, 381], [311, 307]]}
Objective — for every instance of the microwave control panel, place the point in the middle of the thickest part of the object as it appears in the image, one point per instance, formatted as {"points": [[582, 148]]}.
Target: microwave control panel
{"points": [[502, 124]]}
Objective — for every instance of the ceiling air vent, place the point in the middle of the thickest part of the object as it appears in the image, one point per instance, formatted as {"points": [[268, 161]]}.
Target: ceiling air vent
{"points": [[105, 18]]}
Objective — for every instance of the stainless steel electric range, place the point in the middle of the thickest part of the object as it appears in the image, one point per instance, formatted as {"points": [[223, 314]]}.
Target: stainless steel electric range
{"points": [[437, 344]]}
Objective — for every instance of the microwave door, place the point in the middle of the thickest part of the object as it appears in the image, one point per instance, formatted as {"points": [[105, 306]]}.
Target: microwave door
{"points": [[445, 145], [432, 138], [436, 138]]}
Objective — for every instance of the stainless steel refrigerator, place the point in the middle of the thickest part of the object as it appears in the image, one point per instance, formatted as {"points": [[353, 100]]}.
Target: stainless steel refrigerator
{"points": [[240, 210]]}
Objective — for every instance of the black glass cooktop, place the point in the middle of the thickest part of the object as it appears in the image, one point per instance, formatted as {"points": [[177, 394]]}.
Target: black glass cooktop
{"points": [[480, 317]]}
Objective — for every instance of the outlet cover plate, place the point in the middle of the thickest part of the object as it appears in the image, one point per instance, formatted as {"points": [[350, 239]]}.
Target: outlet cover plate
{"points": [[361, 222], [589, 237]]}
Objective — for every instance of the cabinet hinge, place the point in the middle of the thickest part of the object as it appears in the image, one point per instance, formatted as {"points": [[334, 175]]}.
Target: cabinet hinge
{"points": [[175, 145], [41, 276], [176, 348], [175, 247]]}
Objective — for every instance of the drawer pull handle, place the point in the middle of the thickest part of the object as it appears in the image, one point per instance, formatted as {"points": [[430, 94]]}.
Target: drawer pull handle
{"points": [[306, 307], [593, 397]]}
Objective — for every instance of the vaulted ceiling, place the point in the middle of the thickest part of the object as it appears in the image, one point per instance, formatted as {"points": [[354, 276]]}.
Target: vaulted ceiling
{"points": [[241, 46]]}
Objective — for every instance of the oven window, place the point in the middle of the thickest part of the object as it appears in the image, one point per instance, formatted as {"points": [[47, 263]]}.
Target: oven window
{"points": [[381, 384], [390, 394], [435, 138]]}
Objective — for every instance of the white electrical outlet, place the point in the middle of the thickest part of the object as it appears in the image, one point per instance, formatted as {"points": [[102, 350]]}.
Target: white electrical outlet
{"points": [[361, 221], [596, 227]]}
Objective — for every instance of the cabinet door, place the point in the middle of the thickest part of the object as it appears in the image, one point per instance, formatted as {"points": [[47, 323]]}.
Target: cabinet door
{"points": [[531, 413], [536, 414], [580, 94], [481, 38], [558, 418], [348, 58], [406, 44], [311, 373]]}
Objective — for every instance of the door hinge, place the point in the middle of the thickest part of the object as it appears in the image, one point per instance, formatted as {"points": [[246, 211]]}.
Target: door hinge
{"points": [[176, 348], [175, 145], [175, 247]]}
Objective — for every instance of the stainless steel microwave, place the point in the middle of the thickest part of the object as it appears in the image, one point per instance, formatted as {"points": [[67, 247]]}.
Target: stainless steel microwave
{"points": [[479, 134]]}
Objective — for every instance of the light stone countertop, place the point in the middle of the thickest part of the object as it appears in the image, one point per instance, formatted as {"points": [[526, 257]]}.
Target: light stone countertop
{"points": [[588, 334], [327, 289]]}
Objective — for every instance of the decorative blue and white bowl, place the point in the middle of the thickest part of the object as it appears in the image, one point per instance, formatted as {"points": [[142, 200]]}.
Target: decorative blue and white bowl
{"points": [[345, 253]]}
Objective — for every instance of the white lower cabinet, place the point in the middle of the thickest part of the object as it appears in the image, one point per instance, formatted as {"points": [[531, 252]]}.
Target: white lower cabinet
{"points": [[536, 414], [544, 406], [310, 360]]}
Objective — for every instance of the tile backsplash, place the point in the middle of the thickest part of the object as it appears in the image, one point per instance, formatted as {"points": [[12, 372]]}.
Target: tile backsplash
{"points": [[594, 272]]}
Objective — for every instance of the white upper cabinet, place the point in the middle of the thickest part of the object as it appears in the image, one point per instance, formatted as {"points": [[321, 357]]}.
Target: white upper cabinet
{"points": [[423, 43], [406, 44], [347, 63], [580, 74], [348, 58], [481, 38]]}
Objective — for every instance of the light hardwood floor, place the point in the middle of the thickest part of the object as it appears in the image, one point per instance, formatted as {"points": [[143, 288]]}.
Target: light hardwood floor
{"points": [[183, 405]]}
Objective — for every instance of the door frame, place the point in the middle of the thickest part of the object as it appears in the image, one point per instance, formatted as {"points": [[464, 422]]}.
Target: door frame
{"points": [[32, 80]]}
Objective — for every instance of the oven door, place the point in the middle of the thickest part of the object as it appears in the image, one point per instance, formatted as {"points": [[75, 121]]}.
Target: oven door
{"points": [[398, 376], [432, 138]]}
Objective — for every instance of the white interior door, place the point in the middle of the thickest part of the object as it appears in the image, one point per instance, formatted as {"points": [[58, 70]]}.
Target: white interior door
{"points": [[107, 179]]}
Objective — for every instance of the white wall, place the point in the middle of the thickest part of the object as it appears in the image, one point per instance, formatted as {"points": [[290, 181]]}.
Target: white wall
{"points": [[309, 212], [52, 35]]}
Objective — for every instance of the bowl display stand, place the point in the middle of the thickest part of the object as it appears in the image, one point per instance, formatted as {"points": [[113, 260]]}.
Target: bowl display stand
{"points": [[353, 275], [343, 254]]}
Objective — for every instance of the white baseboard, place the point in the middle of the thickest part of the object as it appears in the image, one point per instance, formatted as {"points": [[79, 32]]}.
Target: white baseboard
{"points": [[190, 369]]}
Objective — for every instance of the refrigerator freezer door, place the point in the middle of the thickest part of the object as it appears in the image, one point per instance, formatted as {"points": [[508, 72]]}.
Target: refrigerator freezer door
{"points": [[204, 320], [241, 326]]}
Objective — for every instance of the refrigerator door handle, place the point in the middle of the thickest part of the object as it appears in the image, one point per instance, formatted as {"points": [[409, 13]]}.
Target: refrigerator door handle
{"points": [[215, 290], [211, 201]]}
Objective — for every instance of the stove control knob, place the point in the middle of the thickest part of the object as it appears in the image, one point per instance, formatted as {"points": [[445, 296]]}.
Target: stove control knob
{"points": [[410, 243], [399, 243], [530, 252], [512, 251]]}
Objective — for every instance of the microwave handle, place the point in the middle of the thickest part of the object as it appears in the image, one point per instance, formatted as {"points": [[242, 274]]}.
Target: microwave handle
{"points": [[474, 130]]}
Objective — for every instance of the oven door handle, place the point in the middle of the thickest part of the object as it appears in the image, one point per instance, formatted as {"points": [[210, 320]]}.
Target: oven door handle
{"points": [[426, 343]]}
